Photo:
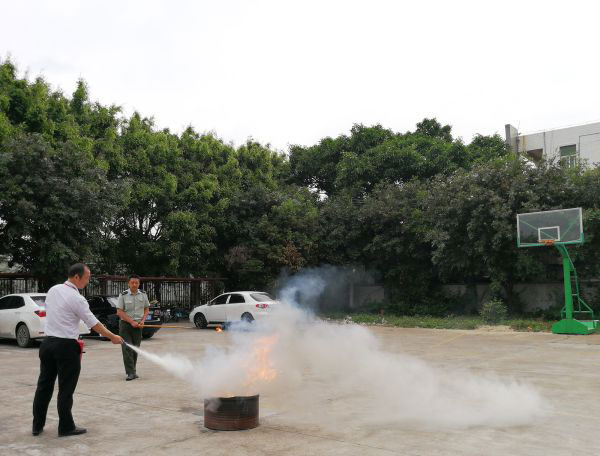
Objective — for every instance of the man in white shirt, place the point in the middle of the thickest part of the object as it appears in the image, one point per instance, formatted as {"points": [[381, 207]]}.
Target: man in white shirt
{"points": [[60, 353]]}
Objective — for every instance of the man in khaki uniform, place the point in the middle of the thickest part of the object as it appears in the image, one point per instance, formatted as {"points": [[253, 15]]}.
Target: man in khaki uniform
{"points": [[132, 309]]}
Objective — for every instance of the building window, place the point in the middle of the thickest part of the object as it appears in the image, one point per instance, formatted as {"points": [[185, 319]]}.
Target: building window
{"points": [[535, 154], [568, 156]]}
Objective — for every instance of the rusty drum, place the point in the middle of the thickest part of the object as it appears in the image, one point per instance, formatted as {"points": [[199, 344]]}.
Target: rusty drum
{"points": [[231, 413]]}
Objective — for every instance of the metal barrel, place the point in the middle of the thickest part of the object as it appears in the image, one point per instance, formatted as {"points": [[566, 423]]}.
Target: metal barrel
{"points": [[231, 413]]}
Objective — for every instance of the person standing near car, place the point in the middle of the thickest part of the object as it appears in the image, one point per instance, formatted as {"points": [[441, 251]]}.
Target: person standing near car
{"points": [[132, 310], [60, 352]]}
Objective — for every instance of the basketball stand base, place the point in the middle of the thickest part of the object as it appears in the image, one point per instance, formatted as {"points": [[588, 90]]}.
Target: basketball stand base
{"points": [[572, 326]]}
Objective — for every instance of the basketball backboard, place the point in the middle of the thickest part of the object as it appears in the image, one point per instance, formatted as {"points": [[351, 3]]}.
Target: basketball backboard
{"points": [[562, 226]]}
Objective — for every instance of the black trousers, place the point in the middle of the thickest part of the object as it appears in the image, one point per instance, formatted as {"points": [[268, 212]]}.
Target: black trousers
{"points": [[58, 357]]}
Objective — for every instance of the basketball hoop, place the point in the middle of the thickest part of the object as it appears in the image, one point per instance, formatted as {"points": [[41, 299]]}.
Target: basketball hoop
{"points": [[559, 229], [563, 226]]}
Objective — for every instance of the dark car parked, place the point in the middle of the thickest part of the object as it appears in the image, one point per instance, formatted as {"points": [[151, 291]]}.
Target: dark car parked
{"points": [[105, 310]]}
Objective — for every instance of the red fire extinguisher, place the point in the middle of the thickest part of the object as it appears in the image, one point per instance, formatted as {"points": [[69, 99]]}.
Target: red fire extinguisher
{"points": [[81, 345]]}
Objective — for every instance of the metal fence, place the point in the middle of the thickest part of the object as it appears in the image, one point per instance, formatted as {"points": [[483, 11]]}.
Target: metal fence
{"points": [[180, 292], [167, 291], [17, 283]]}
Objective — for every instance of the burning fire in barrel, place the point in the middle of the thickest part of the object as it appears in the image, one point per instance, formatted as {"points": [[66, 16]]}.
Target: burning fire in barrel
{"points": [[236, 413], [231, 413]]}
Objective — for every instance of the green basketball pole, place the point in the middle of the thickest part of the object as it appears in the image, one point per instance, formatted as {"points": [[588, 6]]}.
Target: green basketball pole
{"points": [[568, 324], [560, 227]]}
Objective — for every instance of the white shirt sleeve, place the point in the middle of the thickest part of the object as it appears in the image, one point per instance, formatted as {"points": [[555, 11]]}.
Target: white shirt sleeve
{"points": [[84, 313]]}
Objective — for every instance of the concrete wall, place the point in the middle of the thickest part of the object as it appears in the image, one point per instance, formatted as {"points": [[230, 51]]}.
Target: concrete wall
{"points": [[361, 295], [533, 295], [586, 138]]}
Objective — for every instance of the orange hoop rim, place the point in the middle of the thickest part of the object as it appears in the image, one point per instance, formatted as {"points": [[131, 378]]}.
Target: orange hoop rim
{"points": [[548, 241]]}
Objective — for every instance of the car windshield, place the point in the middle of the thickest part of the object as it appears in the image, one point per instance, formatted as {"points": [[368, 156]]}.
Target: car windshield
{"points": [[113, 301], [39, 300], [261, 297]]}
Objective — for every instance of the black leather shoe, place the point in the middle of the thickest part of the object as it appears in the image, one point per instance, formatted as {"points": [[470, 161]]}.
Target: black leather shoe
{"points": [[76, 431], [136, 376], [35, 431], [131, 377]]}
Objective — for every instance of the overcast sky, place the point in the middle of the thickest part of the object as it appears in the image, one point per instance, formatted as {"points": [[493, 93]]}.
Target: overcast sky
{"points": [[292, 72]]}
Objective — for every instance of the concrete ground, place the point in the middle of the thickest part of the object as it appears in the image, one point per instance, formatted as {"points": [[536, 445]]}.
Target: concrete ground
{"points": [[159, 414]]}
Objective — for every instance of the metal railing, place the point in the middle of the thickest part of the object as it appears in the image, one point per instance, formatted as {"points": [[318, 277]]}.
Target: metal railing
{"points": [[179, 292], [168, 291], [11, 282]]}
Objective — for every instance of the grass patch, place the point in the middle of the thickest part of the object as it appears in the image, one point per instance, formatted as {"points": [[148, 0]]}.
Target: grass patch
{"points": [[452, 322], [402, 321], [530, 325]]}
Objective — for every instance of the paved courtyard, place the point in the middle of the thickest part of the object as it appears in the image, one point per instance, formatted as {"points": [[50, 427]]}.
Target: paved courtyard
{"points": [[159, 414]]}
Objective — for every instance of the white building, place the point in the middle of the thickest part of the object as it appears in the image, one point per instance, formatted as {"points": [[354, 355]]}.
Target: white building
{"points": [[570, 145]]}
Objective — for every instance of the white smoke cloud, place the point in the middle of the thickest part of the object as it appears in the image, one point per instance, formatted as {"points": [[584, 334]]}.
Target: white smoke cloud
{"points": [[332, 369]]}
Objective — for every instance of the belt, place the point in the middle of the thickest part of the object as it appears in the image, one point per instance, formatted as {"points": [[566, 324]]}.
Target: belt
{"points": [[60, 338]]}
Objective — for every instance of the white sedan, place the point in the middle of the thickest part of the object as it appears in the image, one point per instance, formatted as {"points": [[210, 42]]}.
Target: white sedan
{"points": [[22, 317], [233, 307]]}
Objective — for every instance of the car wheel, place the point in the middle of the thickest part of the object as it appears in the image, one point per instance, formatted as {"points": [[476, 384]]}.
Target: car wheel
{"points": [[248, 318], [23, 336], [200, 321], [147, 336]]}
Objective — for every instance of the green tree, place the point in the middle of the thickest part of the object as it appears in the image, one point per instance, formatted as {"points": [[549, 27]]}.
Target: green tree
{"points": [[434, 129], [53, 204], [394, 229], [149, 163], [269, 230], [486, 148], [317, 166], [397, 160], [472, 221]]}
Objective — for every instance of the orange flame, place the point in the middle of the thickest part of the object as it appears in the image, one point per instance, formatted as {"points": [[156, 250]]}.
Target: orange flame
{"points": [[260, 367]]}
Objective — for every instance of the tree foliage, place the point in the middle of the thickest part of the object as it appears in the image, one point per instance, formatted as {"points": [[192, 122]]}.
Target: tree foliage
{"points": [[81, 181], [55, 203]]}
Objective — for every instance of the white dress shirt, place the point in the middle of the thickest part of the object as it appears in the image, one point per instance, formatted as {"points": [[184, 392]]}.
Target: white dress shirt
{"points": [[65, 306]]}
